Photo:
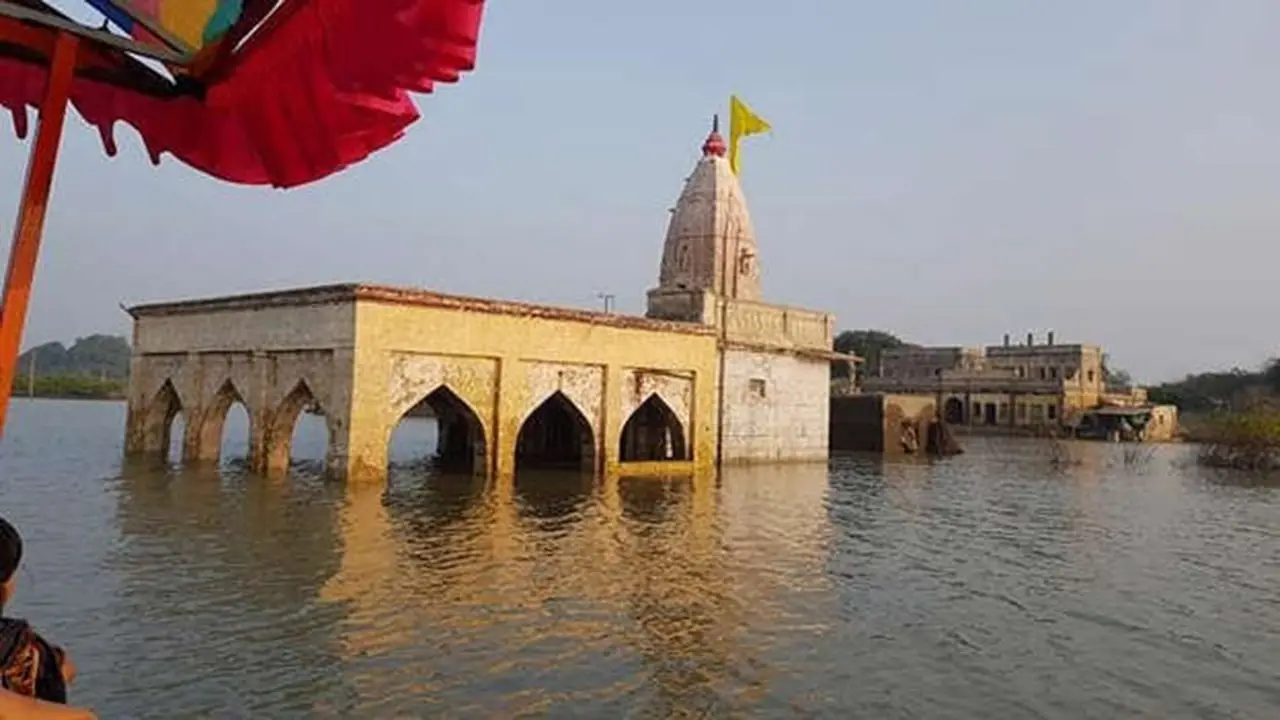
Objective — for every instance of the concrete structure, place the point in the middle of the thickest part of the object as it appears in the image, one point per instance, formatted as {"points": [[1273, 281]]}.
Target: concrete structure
{"points": [[1030, 385], [1130, 423], [888, 424], [712, 374], [505, 380]]}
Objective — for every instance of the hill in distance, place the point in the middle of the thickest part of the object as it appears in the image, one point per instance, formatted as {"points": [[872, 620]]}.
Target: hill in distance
{"points": [[97, 356]]}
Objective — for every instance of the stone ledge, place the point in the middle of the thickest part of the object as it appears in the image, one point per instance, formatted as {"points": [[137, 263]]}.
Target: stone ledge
{"points": [[353, 292]]}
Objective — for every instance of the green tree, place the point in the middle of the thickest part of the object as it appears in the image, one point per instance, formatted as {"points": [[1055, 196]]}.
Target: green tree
{"points": [[866, 344], [1219, 390]]}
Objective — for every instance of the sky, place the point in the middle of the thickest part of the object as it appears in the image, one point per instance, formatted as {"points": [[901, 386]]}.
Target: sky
{"points": [[945, 171]]}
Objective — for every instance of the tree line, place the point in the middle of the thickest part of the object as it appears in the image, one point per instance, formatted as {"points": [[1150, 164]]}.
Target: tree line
{"points": [[1220, 390]]}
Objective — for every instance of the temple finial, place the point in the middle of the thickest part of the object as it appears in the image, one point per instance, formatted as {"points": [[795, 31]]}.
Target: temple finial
{"points": [[714, 144]]}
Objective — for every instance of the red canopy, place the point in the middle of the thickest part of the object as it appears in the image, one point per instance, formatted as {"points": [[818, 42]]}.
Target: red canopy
{"points": [[319, 85]]}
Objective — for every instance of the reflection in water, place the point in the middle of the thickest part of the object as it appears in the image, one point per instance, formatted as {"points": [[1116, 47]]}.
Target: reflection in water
{"points": [[218, 574], [993, 584]]}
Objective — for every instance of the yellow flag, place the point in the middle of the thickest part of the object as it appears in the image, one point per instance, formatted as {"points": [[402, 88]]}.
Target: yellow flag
{"points": [[742, 123]]}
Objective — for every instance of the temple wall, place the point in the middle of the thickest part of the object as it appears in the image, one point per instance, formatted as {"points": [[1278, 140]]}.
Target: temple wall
{"points": [[776, 407], [247, 329], [505, 365], [777, 325], [365, 356]]}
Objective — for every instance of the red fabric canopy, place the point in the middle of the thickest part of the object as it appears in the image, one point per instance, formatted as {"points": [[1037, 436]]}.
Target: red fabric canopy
{"points": [[320, 86]]}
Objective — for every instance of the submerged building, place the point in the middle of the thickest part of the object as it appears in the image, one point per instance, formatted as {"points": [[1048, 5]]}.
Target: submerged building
{"points": [[712, 373], [1032, 385]]}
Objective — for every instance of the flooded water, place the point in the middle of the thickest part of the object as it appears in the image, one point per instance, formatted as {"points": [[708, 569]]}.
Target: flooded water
{"points": [[996, 584]]}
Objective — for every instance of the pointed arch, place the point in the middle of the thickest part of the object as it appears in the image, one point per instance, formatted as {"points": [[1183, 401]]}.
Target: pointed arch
{"points": [[556, 434], [953, 411], [215, 418], [653, 433], [165, 406], [283, 420], [460, 434]]}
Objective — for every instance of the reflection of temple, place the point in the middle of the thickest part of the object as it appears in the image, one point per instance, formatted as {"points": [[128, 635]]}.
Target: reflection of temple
{"points": [[625, 594], [227, 572]]}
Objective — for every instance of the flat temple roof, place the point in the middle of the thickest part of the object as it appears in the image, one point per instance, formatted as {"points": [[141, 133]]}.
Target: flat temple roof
{"points": [[356, 292]]}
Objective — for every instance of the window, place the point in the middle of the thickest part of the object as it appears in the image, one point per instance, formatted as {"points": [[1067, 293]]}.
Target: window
{"points": [[1022, 411], [1042, 374], [1004, 411], [1090, 376], [1053, 373], [756, 387], [1037, 412], [1053, 411]]}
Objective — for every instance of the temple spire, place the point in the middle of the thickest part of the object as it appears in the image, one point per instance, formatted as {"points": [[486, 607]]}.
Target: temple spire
{"points": [[710, 245]]}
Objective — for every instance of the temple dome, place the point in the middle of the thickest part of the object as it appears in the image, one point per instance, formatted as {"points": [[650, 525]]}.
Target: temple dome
{"points": [[710, 243]]}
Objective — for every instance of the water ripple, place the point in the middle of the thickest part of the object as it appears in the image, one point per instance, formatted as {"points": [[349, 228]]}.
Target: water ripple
{"points": [[988, 585]]}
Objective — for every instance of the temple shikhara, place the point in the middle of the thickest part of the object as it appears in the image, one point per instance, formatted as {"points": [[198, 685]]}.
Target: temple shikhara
{"points": [[711, 374]]}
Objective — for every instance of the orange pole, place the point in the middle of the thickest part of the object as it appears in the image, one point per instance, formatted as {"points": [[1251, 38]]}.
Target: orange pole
{"points": [[31, 212]]}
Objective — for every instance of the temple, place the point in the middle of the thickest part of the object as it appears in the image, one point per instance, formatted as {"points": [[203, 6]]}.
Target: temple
{"points": [[711, 375], [775, 361]]}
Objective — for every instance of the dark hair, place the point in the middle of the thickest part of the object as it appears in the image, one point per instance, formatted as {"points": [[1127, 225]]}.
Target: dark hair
{"points": [[10, 550]]}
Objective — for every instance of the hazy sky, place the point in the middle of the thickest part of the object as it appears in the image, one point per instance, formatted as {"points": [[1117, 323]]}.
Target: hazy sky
{"points": [[949, 171]]}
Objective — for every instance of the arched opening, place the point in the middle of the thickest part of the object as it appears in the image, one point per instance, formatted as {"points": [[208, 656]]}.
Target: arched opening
{"points": [[653, 432], [444, 421], [953, 411], [165, 428], [309, 444], [284, 424], [174, 448], [224, 434], [555, 436]]}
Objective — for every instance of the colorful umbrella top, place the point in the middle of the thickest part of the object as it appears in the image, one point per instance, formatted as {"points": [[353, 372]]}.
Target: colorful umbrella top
{"points": [[264, 92]]}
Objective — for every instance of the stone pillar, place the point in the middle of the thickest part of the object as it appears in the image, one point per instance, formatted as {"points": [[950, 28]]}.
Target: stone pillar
{"points": [[135, 416], [258, 401], [208, 434], [704, 422], [507, 420], [359, 428], [195, 408]]}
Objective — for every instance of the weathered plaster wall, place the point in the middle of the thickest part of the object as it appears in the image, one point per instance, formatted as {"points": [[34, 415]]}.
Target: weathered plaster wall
{"points": [[525, 360], [273, 387], [323, 326], [776, 407], [1164, 424], [778, 325], [367, 361]]}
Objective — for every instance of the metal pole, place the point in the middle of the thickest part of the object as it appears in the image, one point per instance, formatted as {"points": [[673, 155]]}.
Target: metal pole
{"points": [[29, 227], [724, 349]]}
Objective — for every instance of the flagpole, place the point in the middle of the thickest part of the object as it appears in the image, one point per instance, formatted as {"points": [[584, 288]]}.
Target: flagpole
{"points": [[29, 227]]}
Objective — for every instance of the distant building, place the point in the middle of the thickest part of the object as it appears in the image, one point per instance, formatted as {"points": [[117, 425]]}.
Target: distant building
{"points": [[1045, 384]]}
